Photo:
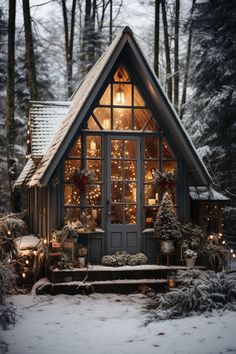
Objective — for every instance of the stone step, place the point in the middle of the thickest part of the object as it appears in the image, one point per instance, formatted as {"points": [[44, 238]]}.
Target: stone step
{"points": [[102, 273], [119, 286]]}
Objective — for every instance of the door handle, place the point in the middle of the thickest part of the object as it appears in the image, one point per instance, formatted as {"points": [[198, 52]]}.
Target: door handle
{"points": [[108, 208]]}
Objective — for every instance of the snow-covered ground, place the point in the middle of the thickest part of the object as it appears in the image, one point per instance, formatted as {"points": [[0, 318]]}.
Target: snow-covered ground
{"points": [[107, 324]]}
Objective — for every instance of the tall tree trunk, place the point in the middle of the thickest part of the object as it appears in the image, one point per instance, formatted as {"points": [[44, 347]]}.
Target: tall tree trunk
{"points": [[167, 50], [69, 42], [111, 21], [32, 81], [157, 37], [176, 57], [10, 122], [188, 58]]}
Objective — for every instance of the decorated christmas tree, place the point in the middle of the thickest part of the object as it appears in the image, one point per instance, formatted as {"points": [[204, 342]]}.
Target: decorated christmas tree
{"points": [[166, 225]]}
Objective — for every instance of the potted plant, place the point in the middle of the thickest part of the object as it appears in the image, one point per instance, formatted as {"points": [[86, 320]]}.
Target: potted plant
{"points": [[190, 257], [167, 226]]}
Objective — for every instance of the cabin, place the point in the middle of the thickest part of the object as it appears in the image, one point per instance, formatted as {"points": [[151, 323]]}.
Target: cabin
{"points": [[95, 154]]}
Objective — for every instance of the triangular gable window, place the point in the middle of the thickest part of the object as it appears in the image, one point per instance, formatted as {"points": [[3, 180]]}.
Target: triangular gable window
{"points": [[122, 107]]}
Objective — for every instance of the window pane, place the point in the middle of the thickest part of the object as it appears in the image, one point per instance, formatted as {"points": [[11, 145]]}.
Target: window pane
{"points": [[130, 149], [166, 151], [122, 118], [130, 192], [76, 149], [150, 216], [116, 214], [116, 170], [130, 214], [116, 148], [95, 165], [151, 197], [103, 115], [93, 194], [93, 146], [116, 191], [152, 126], [92, 125], [130, 170], [71, 195], [122, 94], [169, 166], [138, 100], [121, 75], [69, 168], [106, 97], [71, 214], [96, 214], [149, 166], [141, 116], [151, 147]]}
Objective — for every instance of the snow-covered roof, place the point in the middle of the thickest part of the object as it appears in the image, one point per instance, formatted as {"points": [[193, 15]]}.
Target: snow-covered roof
{"points": [[206, 193], [45, 121], [26, 173]]}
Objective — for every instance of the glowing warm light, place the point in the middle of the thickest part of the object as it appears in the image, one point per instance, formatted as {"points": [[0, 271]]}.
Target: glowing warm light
{"points": [[223, 242], [23, 275], [120, 96], [35, 252], [220, 234], [27, 261], [93, 147], [234, 255], [211, 237], [8, 232], [45, 241], [232, 251]]}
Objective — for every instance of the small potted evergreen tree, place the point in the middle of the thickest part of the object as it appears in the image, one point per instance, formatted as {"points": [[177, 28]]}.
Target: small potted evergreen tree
{"points": [[167, 226]]}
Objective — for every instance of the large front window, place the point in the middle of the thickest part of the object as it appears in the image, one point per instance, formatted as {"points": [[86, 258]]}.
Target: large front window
{"points": [[128, 172]]}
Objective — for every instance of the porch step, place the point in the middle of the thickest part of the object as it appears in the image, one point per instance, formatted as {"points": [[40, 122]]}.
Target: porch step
{"points": [[120, 286], [102, 273]]}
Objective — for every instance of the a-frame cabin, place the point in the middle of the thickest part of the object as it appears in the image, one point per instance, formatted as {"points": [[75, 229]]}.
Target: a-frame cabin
{"points": [[120, 124]]}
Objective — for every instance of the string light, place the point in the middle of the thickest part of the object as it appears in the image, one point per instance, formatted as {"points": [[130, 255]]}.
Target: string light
{"points": [[23, 275]]}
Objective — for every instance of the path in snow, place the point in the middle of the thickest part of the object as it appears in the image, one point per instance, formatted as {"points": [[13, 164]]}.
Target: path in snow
{"points": [[107, 324]]}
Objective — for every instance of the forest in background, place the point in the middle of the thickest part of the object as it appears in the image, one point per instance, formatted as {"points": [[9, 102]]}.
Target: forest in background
{"points": [[190, 44]]}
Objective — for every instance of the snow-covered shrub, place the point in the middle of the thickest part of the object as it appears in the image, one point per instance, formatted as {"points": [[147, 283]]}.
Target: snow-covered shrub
{"points": [[198, 291], [190, 254], [7, 312], [122, 258], [214, 257]]}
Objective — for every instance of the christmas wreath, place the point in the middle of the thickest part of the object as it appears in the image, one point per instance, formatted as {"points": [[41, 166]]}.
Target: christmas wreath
{"points": [[80, 178], [164, 181]]}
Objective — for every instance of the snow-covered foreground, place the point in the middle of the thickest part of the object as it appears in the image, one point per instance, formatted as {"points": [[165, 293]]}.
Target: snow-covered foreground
{"points": [[107, 324]]}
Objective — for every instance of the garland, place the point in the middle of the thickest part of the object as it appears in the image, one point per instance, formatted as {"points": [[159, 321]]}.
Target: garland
{"points": [[81, 178]]}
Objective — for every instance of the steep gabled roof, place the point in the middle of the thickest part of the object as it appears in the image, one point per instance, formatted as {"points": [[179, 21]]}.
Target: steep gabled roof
{"points": [[206, 193], [125, 46]]}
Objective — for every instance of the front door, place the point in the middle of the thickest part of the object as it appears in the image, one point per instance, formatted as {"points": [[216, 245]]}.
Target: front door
{"points": [[123, 194]]}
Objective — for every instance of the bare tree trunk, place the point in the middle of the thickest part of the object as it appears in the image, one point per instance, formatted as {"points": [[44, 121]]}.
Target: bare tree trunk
{"points": [[69, 42], [10, 122], [111, 22], [188, 58], [176, 57], [32, 81], [157, 37], [167, 50]]}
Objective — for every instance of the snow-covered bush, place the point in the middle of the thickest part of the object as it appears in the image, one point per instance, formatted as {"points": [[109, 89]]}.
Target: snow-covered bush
{"points": [[7, 312], [122, 258], [198, 291], [190, 254]]}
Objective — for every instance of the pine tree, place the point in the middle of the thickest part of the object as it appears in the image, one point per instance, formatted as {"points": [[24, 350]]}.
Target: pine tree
{"points": [[167, 226]]}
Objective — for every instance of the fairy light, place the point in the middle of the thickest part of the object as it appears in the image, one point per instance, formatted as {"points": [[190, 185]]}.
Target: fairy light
{"points": [[9, 232], [234, 255], [27, 261], [231, 251], [23, 275]]}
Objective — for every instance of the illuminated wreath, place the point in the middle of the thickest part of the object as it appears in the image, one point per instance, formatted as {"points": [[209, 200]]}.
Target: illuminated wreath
{"points": [[164, 181], [80, 178]]}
